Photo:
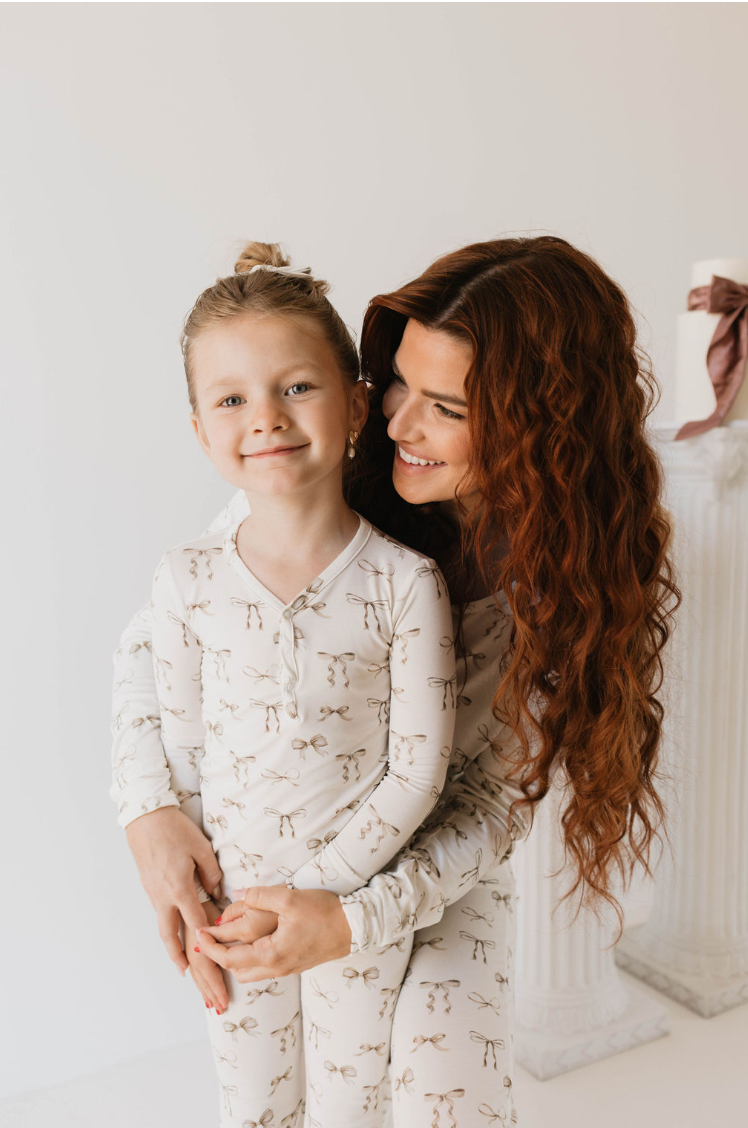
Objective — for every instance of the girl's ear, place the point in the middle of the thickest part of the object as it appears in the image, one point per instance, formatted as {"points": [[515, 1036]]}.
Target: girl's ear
{"points": [[200, 432], [359, 405]]}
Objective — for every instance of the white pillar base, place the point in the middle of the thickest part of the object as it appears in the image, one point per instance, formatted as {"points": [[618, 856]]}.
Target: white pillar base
{"points": [[572, 1006], [705, 994], [547, 1054]]}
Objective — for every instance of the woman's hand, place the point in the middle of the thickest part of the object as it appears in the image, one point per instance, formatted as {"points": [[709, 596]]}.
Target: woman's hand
{"points": [[312, 929], [168, 847], [202, 969]]}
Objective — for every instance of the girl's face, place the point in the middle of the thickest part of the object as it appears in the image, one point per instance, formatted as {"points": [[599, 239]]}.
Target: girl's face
{"points": [[425, 404], [274, 410]]}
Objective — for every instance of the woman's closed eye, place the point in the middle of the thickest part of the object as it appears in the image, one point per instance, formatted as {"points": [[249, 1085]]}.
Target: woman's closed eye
{"points": [[449, 414], [444, 411]]}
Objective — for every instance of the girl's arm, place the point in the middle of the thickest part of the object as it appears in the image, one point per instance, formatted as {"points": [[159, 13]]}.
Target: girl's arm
{"points": [[467, 834], [141, 781], [421, 727]]}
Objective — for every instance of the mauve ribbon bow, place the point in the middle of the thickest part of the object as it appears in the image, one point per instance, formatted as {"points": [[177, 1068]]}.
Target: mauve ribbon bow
{"points": [[728, 352]]}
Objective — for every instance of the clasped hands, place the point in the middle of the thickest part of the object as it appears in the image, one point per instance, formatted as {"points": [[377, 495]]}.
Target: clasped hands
{"points": [[272, 931]]}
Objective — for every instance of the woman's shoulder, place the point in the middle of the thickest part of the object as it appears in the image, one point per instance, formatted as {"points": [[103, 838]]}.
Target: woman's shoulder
{"points": [[403, 560]]}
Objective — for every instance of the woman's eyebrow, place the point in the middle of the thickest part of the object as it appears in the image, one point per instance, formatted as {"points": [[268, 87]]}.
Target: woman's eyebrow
{"points": [[432, 395]]}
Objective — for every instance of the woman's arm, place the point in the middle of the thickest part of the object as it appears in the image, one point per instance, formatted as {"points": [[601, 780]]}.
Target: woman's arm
{"points": [[421, 726], [467, 833]]}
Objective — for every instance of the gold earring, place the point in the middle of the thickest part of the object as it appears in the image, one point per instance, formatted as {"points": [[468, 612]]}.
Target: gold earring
{"points": [[352, 436]]}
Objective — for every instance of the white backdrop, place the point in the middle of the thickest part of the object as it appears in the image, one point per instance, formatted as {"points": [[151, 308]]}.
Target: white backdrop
{"points": [[140, 145]]}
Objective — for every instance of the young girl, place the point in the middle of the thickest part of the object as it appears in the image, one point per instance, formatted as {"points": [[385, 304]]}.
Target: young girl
{"points": [[306, 683]]}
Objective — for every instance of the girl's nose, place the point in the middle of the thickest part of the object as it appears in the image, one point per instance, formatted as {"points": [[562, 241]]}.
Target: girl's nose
{"points": [[269, 416]]}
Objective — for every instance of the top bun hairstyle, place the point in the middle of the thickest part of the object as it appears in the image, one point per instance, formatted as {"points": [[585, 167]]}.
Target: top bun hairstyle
{"points": [[278, 290]]}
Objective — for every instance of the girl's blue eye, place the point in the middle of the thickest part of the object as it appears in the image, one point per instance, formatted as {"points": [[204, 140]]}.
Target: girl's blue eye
{"points": [[299, 385], [226, 400]]}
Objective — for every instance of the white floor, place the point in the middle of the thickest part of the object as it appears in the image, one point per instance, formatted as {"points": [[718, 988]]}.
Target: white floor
{"points": [[696, 1077]]}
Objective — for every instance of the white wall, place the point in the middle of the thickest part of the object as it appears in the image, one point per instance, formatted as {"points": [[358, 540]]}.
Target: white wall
{"points": [[140, 144]]}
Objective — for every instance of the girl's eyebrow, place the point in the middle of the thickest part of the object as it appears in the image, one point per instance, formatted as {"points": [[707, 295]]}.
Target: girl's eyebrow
{"points": [[432, 395]]}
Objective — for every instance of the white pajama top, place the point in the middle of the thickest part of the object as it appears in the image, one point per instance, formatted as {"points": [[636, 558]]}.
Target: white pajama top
{"points": [[465, 837], [317, 733]]}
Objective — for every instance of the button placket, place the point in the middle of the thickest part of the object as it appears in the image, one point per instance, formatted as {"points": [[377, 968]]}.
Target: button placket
{"points": [[290, 677]]}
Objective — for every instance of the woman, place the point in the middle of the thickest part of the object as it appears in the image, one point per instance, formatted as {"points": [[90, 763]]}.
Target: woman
{"points": [[506, 439]]}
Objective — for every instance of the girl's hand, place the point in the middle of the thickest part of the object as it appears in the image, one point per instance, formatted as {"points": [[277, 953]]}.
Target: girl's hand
{"points": [[312, 929], [243, 924], [202, 969]]}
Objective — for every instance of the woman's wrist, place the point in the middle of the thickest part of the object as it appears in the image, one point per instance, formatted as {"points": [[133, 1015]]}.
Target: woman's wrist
{"points": [[346, 935]]}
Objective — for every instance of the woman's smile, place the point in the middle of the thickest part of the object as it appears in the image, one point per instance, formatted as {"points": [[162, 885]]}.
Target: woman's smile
{"points": [[409, 462]]}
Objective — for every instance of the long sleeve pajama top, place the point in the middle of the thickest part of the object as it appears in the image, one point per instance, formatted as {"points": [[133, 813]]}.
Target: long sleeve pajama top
{"points": [[467, 833], [317, 732]]}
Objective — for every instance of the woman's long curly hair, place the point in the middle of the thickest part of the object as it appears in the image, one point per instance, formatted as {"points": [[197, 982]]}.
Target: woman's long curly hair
{"points": [[558, 393]]}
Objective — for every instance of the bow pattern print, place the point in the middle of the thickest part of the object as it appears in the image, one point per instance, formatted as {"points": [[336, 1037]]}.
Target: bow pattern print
{"points": [[447, 1099]]}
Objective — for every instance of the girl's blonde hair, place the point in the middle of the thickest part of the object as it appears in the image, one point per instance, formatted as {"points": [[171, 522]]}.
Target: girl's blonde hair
{"points": [[270, 293]]}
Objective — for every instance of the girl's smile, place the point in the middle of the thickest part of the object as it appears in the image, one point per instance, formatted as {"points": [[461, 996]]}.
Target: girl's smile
{"points": [[270, 451]]}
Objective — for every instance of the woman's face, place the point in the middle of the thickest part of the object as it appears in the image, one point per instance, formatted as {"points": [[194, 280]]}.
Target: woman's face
{"points": [[425, 404]]}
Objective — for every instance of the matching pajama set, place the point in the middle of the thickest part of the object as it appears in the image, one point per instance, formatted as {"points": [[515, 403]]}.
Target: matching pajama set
{"points": [[323, 736]]}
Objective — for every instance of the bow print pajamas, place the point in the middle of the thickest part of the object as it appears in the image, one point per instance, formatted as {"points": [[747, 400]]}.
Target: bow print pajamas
{"points": [[451, 887], [452, 1055], [309, 740]]}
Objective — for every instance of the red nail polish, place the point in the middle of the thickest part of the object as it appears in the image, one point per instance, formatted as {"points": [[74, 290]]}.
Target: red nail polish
{"points": [[218, 920], [197, 949], [207, 1004]]}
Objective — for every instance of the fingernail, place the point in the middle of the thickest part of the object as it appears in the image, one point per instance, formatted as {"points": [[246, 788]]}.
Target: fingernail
{"points": [[218, 920], [207, 1004], [217, 891], [197, 949]]}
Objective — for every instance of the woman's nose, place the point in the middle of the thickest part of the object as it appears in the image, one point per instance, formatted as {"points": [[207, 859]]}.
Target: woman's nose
{"points": [[403, 422]]}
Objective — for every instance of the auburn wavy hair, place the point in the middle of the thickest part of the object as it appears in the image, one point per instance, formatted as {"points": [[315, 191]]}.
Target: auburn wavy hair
{"points": [[558, 393]]}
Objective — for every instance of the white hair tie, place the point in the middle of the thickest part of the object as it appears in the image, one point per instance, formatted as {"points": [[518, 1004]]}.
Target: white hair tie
{"points": [[279, 270]]}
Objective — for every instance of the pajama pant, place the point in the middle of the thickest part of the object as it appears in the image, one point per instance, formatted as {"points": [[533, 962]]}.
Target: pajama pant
{"points": [[319, 1040], [452, 1039], [441, 1001]]}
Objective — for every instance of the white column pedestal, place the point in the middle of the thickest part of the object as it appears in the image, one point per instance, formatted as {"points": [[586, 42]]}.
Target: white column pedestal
{"points": [[694, 945], [572, 1007]]}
